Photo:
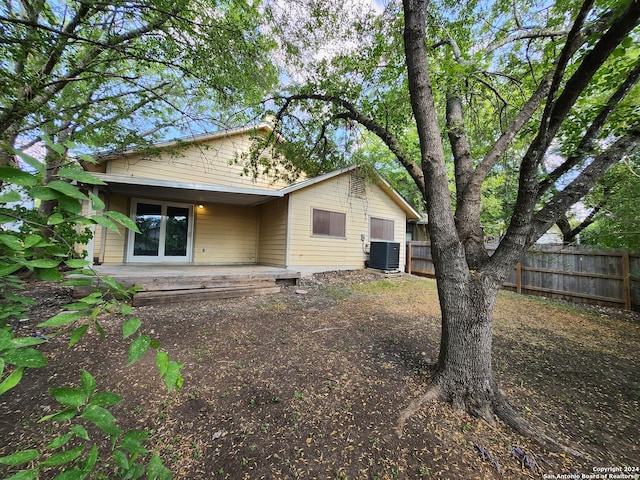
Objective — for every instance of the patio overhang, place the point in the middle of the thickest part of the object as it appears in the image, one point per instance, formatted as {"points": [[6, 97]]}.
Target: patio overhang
{"points": [[185, 192]]}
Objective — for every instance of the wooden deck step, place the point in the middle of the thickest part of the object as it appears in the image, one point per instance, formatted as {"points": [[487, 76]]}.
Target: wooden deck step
{"points": [[157, 297]]}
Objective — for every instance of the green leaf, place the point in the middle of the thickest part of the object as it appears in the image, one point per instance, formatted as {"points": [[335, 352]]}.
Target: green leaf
{"points": [[130, 327], [156, 470], [106, 399], [24, 475], [135, 471], [162, 362], [87, 158], [44, 193], [173, 378], [22, 342], [7, 218], [56, 147], [79, 175], [32, 240], [59, 441], [69, 397], [62, 458], [104, 222], [120, 459], [100, 330], [47, 274], [18, 177], [67, 189], [96, 202], [122, 220], [11, 196], [62, 318], [133, 446], [90, 461], [18, 458], [102, 419], [138, 348], [77, 263], [26, 357], [11, 241], [71, 474], [43, 263], [12, 380], [88, 383], [9, 269], [78, 282], [80, 431], [62, 416], [56, 219], [155, 344], [77, 334], [33, 162], [69, 204]]}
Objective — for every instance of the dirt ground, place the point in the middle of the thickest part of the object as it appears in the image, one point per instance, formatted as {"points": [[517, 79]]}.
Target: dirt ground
{"points": [[309, 383]]}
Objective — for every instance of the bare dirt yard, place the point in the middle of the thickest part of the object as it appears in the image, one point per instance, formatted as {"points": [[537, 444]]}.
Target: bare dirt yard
{"points": [[310, 385]]}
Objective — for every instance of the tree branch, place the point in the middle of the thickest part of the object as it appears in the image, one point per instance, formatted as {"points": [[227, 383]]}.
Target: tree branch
{"points": [[588, 142], [581, 185], [526, 34], [354, 114], [569, 234], [556, 111], [519, 231]]}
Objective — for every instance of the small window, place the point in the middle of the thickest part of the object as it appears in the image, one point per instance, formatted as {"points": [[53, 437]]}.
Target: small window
{"points": [[331, 224], [381, 229]]}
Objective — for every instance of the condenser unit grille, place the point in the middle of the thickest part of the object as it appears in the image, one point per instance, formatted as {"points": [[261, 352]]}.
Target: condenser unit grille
{"points": [[384, 255]]}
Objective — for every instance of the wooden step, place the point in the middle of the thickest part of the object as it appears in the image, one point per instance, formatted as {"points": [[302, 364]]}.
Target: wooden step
{"points": [[158, 297], [186, 283]]}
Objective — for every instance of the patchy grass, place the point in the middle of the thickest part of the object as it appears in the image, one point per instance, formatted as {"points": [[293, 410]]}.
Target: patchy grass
{"points": [[310, 386]]}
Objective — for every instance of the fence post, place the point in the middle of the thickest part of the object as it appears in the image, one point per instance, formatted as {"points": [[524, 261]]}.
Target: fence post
{"points": [[409, 258], [519, 277], [626, 279]]}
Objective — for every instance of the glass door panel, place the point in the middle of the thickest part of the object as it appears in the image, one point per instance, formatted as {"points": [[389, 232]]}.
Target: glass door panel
{"points": [[176, 231], [149, 220], [165, 232]]}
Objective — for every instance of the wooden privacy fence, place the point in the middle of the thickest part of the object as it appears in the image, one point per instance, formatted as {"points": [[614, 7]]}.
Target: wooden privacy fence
{"points": [[598, 277]]}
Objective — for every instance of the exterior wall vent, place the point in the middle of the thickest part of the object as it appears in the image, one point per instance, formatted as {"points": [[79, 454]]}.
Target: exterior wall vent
{"points": [[357, 186], [384, 256]]}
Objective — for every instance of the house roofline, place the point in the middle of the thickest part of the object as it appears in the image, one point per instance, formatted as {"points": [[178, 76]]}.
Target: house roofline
{"points": [[320, 178], [204, 137], [386, 186]]}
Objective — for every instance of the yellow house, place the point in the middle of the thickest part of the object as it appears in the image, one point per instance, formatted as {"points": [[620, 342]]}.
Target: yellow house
{"points": [[195, 206]]}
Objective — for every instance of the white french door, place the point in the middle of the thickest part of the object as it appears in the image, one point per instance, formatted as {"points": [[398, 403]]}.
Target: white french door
{"points": [[165, 232]]}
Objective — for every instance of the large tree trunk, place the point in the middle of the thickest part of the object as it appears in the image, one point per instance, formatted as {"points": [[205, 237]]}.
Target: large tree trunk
{"points": [[464, 375], [464, 372]]}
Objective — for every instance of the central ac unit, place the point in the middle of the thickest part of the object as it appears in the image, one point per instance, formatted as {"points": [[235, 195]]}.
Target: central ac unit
{"points": [[384, 256]]}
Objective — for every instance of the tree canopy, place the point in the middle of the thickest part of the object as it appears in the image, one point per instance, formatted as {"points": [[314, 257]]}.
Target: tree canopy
{"points": [[537, 98], [111, 75], [491, 67]]}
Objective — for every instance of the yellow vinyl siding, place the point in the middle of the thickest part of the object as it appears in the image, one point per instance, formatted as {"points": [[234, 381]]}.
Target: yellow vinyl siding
{"points": [[273, 232], [203, 163], [225, 234], [114, 250], [335, 196]]}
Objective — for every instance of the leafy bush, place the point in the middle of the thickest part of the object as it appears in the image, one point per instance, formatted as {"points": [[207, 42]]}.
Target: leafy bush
{"points": [[32, 246]]}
